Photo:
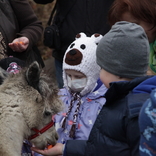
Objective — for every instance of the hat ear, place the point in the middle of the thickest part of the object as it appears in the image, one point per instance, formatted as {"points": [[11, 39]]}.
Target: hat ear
{"points": [[80, 35], [97, 37]]}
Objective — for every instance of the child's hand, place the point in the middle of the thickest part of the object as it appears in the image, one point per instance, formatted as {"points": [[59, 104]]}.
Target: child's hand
{"points": [[19, 44], [54, 151]]}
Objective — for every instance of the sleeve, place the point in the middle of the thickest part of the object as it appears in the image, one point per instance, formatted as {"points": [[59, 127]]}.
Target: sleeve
{"points": [[135, 102], [43, 1], [75, 147], [26, 148], [29, 24], [133, 136]]}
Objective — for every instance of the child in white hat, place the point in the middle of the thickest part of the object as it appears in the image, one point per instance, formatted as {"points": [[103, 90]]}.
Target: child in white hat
{"points": [[83, 92]]}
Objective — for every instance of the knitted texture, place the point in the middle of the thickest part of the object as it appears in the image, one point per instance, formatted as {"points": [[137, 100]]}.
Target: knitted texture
{"points": [[124, 50], [81, 56]]}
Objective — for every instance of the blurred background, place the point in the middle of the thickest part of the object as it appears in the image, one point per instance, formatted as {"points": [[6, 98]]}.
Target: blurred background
{"points": [[43, 13]]}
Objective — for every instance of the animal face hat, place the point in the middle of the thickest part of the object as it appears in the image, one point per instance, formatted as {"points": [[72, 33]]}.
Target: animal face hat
{"points": [[81, 56]]}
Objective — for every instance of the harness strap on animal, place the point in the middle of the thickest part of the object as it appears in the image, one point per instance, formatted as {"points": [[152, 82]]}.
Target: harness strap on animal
{"points": [[38, 132]]}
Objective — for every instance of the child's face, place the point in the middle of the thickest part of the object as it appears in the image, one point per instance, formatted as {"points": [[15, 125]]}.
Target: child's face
{"points": [[107, 78], [73, 74], [150, 31], [76, 80]]}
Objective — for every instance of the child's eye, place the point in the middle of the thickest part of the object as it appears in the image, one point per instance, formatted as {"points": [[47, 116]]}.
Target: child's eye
{"points": [[78, 77], [69, 75]]}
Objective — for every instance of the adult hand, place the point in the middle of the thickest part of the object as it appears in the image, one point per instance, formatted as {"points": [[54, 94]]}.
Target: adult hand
{"points": [[19, 44], [54, 151]]}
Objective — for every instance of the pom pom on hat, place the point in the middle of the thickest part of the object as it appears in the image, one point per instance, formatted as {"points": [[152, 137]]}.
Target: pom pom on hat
{"points": [[81, 56]]}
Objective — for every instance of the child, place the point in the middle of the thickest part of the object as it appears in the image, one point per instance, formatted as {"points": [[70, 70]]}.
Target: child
{"points": [[140, 12], [83, 93], [115, 131]]}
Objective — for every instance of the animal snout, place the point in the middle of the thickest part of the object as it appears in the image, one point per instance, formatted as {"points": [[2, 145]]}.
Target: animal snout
{"points": [[48, 137], [47, 113], [54, 139]]}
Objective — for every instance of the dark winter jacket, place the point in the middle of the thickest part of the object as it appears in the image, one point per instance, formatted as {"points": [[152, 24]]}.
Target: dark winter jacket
{"points": [[17, 20], [116, 130], [88, 16]]}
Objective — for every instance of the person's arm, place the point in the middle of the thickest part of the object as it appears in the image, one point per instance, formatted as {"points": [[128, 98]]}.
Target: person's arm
{"points": [[19, 44], [133, 138], [29, 25], [54, 151], [75, 148], [43, 1], [71, 148]]}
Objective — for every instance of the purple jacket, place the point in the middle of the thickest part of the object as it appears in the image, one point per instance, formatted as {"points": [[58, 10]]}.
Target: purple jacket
{"points": [[90, 107]]}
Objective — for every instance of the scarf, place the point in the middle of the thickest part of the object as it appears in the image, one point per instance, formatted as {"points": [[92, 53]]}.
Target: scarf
{"points": [[152, 57], [75, 96]]}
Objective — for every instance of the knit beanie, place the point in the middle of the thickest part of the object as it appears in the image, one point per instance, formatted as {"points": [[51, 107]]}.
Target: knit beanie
{"points": [[81, 56], [124, 50]]}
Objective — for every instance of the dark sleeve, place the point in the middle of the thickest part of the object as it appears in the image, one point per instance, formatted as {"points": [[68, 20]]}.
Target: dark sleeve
{"points": [[43, 1], [133, 136], [135, 102], [75, 148], [29, 24]]}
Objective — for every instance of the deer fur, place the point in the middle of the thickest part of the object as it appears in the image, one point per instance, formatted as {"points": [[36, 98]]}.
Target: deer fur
{"points": [[28, 100]]}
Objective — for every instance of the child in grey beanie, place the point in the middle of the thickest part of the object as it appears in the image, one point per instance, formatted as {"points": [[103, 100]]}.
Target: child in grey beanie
{"points": [[123, 55]]}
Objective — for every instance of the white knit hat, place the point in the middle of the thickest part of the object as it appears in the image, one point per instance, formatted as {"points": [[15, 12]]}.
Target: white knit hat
{"points": [[81, 56]]}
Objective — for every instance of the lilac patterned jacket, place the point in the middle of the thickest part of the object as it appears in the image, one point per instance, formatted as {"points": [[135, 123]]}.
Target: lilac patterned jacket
{"points": [[90, 107]]}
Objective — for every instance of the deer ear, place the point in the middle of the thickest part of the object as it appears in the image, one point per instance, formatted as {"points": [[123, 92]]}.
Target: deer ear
{"points": [[38, 98], [33, 75]]}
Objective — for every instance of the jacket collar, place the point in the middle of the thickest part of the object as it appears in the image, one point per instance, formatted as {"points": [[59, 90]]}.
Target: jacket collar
{"points": [[146, 86], [120, 89]]}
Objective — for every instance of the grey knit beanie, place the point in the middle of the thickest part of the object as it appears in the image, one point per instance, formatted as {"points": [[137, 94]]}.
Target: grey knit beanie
{"points": [[124, 50]]}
